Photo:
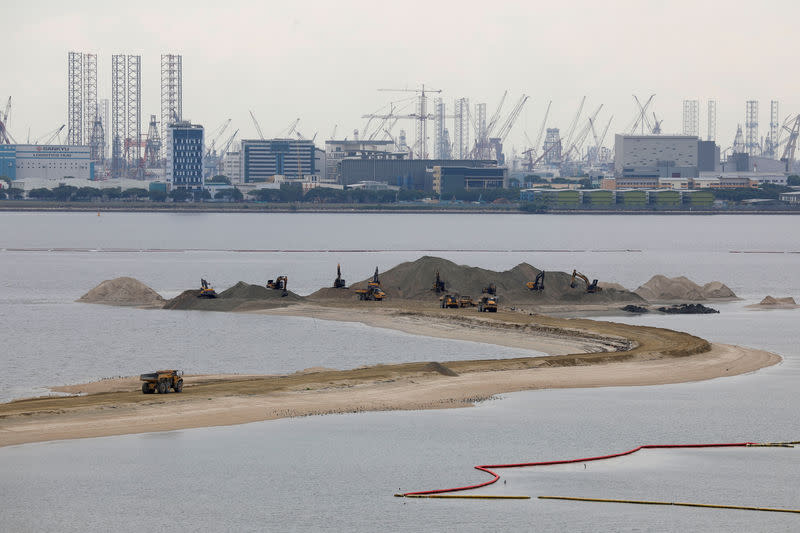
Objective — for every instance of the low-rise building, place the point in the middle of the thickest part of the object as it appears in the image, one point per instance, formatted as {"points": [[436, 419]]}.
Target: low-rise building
{"points": [[47, 162], [448, 179], [790, 197]]}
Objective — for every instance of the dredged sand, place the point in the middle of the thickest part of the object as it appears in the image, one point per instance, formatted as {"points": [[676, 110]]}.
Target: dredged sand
{"points": [[644, 356]]}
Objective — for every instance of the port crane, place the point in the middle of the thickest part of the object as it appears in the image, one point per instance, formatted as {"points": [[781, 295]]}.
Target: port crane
{"points": [[421, 117], [258, 128], [5, 135]]}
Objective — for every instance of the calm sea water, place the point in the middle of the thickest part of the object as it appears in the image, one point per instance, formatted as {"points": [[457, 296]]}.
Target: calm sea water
{"points": [[339, 472]]}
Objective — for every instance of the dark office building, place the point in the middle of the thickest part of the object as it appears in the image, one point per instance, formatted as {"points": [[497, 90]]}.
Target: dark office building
{"points": [[448, 180], [707, 156], [406, 173]]}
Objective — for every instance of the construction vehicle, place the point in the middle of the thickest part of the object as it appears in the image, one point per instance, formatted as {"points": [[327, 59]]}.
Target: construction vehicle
{"points": [[279, 284], [538, 283], [205, 290], [487, 304], [373, 292], [339, 283], [161, 381], [490, 289], [466, 301], [449, 301], [590, 287], [438, 285]]}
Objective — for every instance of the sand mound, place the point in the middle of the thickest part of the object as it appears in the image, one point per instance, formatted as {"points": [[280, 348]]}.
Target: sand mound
{"points": [[329, 293], [662, 288], [241, 297], [770, 302], [717, 290], [610, 285], [414, 281], [123, 291]]}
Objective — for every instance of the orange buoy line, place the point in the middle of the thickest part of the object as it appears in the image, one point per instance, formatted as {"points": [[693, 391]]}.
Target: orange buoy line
{"points": [[489, 468]]}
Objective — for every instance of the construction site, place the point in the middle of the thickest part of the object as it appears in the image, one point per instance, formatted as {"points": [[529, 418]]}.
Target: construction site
{"points": [[428, 283]]}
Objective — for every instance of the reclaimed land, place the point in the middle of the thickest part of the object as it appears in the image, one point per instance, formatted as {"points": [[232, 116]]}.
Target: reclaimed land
{"points": [[585, 353]]}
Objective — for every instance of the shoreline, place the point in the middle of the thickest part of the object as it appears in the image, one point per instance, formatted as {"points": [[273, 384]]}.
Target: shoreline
{"points": [[370, 208], [613, 354]]}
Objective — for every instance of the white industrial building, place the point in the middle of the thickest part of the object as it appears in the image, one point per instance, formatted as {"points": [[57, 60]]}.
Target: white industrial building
{"points": [[233, 167], [667, 156], [25, 161]]}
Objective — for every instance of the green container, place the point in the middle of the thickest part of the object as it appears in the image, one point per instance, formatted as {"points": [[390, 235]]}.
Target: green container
{"points": [[632, 198]]}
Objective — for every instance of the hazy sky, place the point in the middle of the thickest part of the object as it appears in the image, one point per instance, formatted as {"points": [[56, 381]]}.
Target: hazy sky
{"points": [[324, 61]]}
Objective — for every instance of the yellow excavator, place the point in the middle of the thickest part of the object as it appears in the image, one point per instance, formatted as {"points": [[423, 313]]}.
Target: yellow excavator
{"points": [[590, 287], [279, 284], [373, 292], [205, 290], [537, 284], [339, 283]]}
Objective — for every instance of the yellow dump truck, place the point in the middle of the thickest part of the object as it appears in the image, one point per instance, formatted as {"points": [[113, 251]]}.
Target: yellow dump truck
{"points": [[161, 381]]}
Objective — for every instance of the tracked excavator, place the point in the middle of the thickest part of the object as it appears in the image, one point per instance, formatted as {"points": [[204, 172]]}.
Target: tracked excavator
{"points": [[590, 287], [373, 292], [438, 284], [537, 284], [279, 284], [339, 283], [205, 290], [490, 289]]}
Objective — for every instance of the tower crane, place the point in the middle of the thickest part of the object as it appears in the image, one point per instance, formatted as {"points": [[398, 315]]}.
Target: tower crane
{"points": [[421, 117], [258, 128]]}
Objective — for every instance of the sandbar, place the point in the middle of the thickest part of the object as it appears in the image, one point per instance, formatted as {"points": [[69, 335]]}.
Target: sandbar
{"points": [[580, 353]]}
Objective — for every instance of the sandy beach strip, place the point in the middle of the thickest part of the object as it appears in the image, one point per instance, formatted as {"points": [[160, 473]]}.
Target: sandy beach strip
{"points": [[646, 356]]}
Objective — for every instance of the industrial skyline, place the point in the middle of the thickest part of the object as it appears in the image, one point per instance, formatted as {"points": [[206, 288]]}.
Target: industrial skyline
{"points": [[299, 63]]}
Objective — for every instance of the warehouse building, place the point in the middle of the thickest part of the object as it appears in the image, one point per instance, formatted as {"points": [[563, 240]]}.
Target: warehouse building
{"points": [[406, 173], [46, 162], [661, 156], [337, 150], [447, 179]]}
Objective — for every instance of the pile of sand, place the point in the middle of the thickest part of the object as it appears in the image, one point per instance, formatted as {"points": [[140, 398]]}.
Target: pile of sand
{"points": [[241, 297], [124, 292], [662, 288], [414, 281], [770, 302]]}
